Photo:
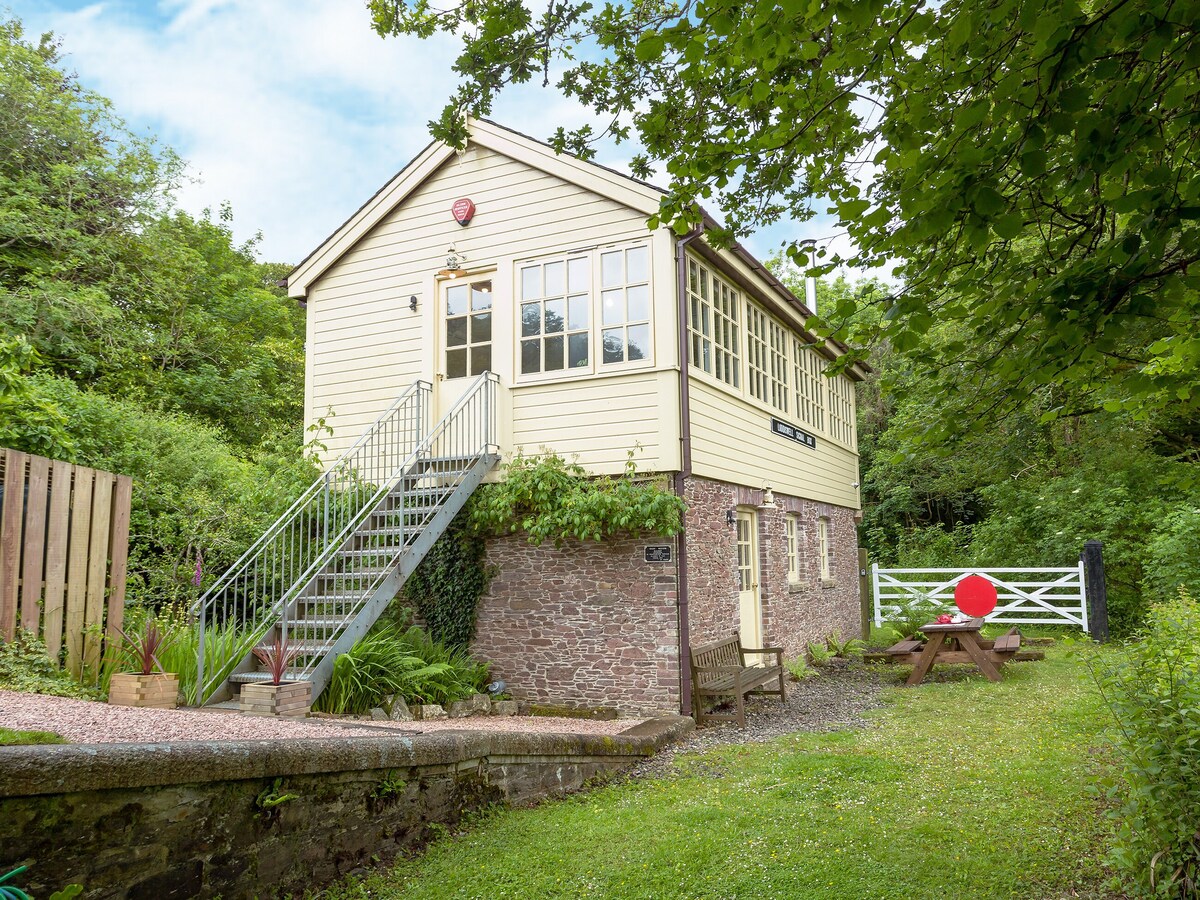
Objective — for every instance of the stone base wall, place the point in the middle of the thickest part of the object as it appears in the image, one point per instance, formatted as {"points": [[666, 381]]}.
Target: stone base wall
{"points": [[163, 821], [794, 612], [588, 624]]}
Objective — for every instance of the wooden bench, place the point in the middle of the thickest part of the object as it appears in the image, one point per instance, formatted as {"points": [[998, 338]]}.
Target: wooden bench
{"points": [[720, 669]]}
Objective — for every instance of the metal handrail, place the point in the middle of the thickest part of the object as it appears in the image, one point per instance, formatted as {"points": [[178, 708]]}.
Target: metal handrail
{"points": [[257, 589], [461, 437]]}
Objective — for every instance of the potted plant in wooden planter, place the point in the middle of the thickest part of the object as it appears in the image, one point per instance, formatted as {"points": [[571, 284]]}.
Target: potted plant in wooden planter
{"points": [[276, 697], [150, 686]]}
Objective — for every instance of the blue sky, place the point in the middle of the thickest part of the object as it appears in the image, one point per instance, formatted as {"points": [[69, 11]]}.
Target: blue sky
{"points": [[293, 111]]}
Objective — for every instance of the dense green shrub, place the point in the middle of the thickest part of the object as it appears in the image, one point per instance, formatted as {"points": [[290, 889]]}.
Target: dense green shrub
{"points": [[407, 663], [192, 490], [26, 666], [1153, 692]]}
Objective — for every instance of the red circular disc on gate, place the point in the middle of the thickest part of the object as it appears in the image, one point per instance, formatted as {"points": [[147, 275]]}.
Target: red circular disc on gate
{"points": [[975, 596]]}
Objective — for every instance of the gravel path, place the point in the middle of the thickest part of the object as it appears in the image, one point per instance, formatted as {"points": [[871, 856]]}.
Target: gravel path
{"points": [[835, 699], [88, 722]]}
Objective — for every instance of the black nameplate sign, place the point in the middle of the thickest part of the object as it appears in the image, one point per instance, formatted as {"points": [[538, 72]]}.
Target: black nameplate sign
{"points": [[792, 433], [658, 553]]}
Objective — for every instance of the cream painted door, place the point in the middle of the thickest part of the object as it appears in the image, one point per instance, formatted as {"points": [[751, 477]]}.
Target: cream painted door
{"points": [[465, 317], [748, 577], [464, 331]]}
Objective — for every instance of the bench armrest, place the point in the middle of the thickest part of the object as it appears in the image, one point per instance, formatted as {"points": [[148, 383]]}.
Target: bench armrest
{"points": [[778, 651]]}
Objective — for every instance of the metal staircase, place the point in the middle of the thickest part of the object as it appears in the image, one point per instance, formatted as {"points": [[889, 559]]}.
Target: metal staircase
{"points": [[324, 572]]}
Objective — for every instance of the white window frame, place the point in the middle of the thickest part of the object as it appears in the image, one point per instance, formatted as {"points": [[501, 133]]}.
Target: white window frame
{"points": [[840, 410], [823, 546], [626, 323], [810, 385], [719, 329], [519, 312], [792, 533], [595, 315]]}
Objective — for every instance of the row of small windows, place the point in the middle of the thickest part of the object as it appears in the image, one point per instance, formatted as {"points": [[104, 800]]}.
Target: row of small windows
{"points": [[781, 370], [793, 527]]}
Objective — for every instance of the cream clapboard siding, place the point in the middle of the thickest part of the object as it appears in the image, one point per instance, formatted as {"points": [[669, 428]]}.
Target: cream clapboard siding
{"points": [[365, 346], [600, 420], [732, 441]]}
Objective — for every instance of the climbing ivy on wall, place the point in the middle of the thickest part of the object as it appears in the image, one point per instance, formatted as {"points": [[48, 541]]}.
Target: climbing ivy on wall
{"points": [[552, 499], [448, 584], [549, 499]]}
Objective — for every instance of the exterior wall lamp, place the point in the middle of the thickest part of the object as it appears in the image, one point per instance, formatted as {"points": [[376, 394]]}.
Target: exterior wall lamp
{"points": [[454, 261], [730, 517], [412, 302]]}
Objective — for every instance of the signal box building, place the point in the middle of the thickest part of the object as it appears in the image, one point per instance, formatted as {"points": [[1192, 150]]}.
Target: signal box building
{"points": [[606, 337]]}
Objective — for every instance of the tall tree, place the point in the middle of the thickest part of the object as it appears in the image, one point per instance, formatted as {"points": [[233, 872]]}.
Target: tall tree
{"points": [[1031, 164]]}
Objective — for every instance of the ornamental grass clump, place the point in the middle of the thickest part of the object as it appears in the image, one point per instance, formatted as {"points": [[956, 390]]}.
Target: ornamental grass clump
{"points": [[1153, 692]]}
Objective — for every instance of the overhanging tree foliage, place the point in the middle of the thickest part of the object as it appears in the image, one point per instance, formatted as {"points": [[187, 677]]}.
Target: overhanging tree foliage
{"points": [[1031, 164]]}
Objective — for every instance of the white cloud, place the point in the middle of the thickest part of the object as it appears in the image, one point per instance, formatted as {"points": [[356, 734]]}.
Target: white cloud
{"points": [[294, 111]]}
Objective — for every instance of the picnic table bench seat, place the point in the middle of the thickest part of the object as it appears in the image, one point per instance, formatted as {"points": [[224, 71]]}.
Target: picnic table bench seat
{"points": [[1009, 647], [721, 670]]}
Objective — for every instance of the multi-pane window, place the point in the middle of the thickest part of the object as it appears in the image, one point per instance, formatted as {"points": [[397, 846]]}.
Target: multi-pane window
{"points": [[766, 343], [713, 312], [556, 304], [823, 545], [625, 305], [809, 385], [841, 409], [756, 352], [779, 365], [793, 548], [468, 329]]}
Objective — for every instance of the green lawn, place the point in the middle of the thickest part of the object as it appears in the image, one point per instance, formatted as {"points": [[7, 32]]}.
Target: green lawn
{"points": [[9, 737], [958, 790]]}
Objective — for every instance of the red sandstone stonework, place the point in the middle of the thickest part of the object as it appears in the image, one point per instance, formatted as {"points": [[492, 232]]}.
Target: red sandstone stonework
{"points": [[793, 613], [593, 624], [590, 624]]}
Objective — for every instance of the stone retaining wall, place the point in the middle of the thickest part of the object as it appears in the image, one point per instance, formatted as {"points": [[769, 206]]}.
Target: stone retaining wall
{"points": [[158, 821]]}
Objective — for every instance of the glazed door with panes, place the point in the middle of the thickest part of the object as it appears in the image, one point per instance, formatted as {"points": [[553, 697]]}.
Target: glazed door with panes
{"points": [[464, 338], [748, 578]]}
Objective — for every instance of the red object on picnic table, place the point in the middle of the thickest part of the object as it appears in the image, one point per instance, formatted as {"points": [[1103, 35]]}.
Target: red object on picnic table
{"points": [[975, 596], [944, 619]]}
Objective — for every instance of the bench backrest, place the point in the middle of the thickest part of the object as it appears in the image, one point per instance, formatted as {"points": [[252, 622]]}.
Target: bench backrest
{"points": [[719, 653]]}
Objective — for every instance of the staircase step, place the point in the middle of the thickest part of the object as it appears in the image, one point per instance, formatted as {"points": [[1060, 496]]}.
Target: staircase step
{"points": [[259, 677], [302, 648]]}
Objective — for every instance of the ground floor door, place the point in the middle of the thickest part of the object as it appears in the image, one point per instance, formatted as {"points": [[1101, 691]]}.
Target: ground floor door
{"points": [[748, 579]]}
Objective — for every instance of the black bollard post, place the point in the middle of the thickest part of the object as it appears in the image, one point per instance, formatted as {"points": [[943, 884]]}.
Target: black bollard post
{"points": [[1097, 592]]}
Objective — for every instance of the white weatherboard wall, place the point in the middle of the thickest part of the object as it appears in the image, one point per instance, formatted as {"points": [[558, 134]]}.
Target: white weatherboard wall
{"points": [[365, 345]]}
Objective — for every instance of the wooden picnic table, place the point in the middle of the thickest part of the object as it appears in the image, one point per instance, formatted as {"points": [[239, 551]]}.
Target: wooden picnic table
{"points": [[960, 642]]}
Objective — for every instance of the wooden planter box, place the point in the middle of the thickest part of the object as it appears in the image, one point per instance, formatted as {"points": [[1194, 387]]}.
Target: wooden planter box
{"points": [[149, 691], [292, 698]]}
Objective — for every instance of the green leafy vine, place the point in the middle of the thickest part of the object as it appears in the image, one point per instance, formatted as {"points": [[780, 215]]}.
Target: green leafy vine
{"points": [[551, 499]]}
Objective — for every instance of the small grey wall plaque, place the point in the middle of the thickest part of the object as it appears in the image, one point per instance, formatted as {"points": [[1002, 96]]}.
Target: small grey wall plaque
{"points": [[658, 553]]}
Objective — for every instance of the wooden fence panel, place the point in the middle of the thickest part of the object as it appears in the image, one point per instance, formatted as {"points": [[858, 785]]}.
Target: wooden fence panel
{"points": [[33, 556], [64, 552], [10, 542], [57, 542], [118, 552], [77, 555]]}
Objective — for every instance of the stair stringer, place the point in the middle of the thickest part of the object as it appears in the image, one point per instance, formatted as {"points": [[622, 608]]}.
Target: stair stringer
{"points": [[405, 566]]}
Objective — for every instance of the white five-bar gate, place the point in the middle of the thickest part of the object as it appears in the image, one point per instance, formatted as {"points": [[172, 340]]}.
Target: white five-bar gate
{"points": [[1033, 596]]}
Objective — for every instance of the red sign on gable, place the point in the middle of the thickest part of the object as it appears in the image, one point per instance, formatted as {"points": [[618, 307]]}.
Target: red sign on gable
{"points": [[463, 210]]}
